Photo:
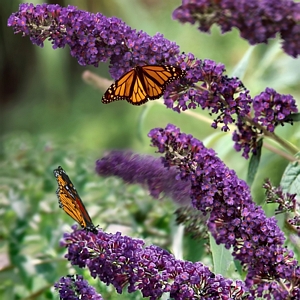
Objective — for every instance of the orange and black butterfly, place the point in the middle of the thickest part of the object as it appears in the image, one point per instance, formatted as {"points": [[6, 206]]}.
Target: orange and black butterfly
{"points": [[70, 202], [142, 84]]}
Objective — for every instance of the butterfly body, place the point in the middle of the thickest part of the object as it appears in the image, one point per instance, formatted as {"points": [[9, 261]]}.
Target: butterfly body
{"points": [[70, 202], [142, 84]]}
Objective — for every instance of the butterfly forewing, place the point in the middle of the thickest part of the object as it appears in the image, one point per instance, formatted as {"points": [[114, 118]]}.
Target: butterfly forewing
{"points": [[72, 210], [70, 201], [162, 75], [121, 89]]}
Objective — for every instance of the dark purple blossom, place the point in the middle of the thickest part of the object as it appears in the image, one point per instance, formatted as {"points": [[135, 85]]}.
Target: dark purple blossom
{"points": [[216, 92], [147, 171], [246, 138], [257, 20], [75, 287], [93, 38], [234, 219], [271, 108], [123, 261]]}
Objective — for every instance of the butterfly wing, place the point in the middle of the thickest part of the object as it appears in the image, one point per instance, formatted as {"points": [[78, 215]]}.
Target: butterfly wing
{"points": [[139, 94], [70, 201], [123, 88], [142, 83]]}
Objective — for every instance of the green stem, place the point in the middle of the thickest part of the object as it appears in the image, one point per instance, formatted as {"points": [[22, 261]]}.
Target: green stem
{"points": [[288, 146]]}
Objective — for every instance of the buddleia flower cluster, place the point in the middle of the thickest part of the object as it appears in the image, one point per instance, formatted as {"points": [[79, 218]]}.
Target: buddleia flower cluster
{"points": [[257, 20], [287, 204], [122, 261], [74, 287]]}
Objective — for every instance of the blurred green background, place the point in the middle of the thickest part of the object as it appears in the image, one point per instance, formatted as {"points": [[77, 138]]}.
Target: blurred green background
{"points": [[50, 117]]}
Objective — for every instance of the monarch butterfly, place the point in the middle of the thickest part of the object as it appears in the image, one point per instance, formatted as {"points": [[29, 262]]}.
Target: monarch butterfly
{"points": [[142, 83], [70, 202]]}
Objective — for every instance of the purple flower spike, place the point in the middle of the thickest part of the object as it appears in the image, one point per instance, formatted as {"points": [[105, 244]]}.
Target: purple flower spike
{"points": [[246, 138], [120, 261], [93, 38], [215, 91], [210, 89], [257, 20], [272, 108], [147, 171], [75, 287], [234, 219]]}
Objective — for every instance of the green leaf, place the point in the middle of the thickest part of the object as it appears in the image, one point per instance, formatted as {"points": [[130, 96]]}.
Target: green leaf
{"points": [[254, 163], [293, 117], [222, 258], [290, 181], [241, 68], [16, 242]]}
